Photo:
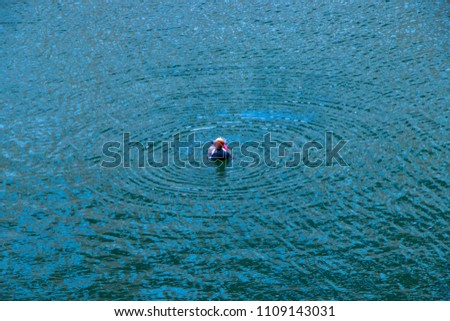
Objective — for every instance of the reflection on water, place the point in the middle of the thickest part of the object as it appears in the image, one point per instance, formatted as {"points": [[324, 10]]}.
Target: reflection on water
{"points": [[77, 75]]}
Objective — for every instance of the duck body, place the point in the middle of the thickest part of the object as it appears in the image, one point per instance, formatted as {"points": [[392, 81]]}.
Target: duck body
{"points": [[219, 154]]}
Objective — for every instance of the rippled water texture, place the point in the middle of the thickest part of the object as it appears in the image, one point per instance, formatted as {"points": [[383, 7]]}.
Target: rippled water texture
{"points": [[76, 75]]}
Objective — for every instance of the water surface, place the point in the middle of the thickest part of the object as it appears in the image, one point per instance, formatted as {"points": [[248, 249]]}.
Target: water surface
{"points": [[76, 75]]}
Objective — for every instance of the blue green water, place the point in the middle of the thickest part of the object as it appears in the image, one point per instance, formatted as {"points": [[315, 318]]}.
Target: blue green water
{"points": [[76, 75]]}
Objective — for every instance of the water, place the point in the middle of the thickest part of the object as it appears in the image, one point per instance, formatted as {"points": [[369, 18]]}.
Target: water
{"points": [[76, 75]]}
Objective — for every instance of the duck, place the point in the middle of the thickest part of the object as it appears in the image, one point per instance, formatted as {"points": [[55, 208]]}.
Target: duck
{"points": [[219, 150]]}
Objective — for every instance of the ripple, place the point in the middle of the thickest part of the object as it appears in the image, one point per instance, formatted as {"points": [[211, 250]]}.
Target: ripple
{"points": [[296, 121]]}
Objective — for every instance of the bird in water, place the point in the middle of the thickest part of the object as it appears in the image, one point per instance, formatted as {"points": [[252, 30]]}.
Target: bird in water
{"points": [[219, 150]]}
